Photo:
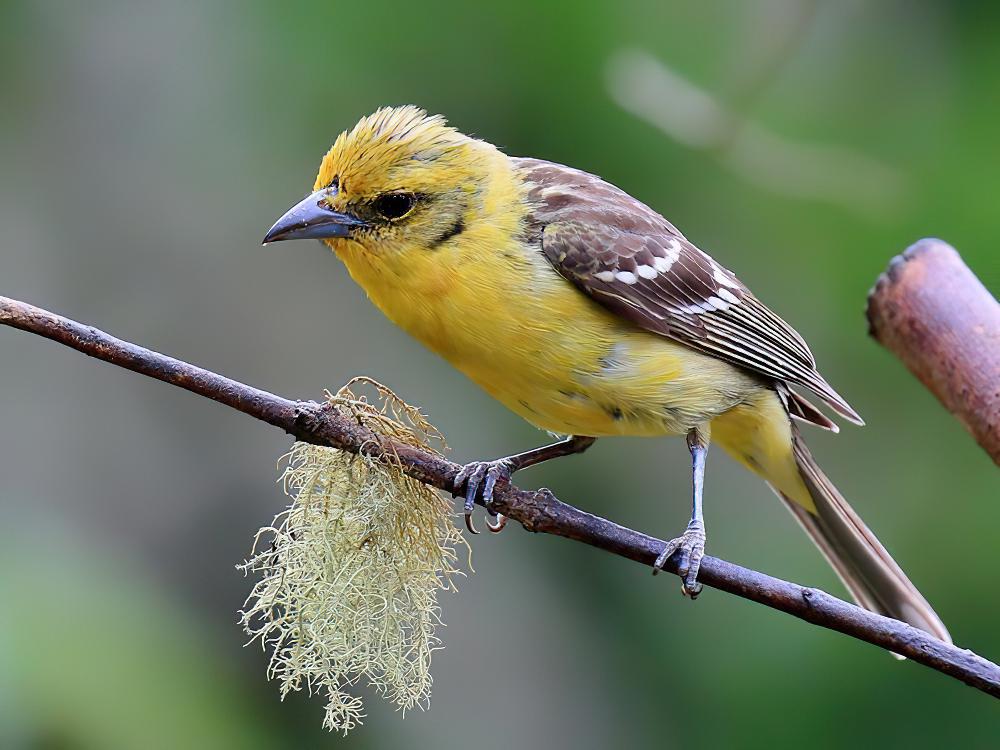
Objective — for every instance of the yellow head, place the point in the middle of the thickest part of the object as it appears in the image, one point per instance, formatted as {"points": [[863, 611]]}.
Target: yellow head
{"points": [[398, 180]]}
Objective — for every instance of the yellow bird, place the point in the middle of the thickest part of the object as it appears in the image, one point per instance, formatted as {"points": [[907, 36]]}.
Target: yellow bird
{"points": [[590, 315]]}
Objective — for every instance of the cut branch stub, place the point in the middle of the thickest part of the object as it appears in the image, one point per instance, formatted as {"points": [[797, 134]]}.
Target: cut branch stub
{"points": [[932, 312]]}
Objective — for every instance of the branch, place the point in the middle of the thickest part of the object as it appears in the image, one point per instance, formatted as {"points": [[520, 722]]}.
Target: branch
{"points": [[932, 312], [538, 511]]}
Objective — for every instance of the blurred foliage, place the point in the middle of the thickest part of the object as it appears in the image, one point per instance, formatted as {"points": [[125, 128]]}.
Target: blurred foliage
{"points": [[144, 150], [85, 643]]}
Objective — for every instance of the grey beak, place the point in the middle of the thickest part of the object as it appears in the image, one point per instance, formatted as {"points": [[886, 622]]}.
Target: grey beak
{"points": [[313, 219]]}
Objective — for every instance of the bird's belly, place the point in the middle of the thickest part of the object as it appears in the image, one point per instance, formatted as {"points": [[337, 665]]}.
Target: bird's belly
{"points": [[605, 382]]}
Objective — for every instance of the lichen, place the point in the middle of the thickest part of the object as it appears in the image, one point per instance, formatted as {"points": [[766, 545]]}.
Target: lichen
{"points": [[352, 568]]}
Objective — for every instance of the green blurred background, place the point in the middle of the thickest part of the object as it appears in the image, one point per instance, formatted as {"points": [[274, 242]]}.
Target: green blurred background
{"points": [[145, 148]]}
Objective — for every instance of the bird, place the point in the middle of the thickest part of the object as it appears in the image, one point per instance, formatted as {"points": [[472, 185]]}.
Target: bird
{"points": [[590, 315]]}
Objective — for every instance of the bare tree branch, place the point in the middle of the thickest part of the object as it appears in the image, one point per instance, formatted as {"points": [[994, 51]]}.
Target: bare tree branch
{"points": [[538, 511], [932, 312]]}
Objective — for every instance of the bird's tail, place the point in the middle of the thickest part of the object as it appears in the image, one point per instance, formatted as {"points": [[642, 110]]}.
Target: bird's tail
{"points": [[763, 438]]}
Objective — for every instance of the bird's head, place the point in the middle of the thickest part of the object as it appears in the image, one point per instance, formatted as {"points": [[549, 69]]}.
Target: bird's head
{"points": [[399, 179]]}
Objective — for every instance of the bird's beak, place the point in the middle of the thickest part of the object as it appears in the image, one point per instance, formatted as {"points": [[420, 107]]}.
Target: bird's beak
{"points": [[312, 218]]}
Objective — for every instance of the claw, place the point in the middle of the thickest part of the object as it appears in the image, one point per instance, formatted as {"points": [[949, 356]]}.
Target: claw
{"points": [[476, 476], [691, 592], [497, 526], [458, 484], [692, 548]]}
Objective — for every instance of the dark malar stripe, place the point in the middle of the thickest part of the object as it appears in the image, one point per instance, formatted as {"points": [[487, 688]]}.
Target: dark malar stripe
{"points": [[454, 230]]}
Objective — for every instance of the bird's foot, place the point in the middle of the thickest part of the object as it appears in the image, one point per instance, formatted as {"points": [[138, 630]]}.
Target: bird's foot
{"points": [[692, 548], [478, 479]]}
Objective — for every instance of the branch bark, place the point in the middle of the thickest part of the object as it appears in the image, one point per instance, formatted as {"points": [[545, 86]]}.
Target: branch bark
{"points": [[932, 312], [538, 511]]}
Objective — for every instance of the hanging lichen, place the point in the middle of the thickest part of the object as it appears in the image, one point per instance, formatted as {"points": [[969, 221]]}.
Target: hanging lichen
{"points": [[352, 569]]}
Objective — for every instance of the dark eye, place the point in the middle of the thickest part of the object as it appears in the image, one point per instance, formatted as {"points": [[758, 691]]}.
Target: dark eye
{"points": [[394, 205]]}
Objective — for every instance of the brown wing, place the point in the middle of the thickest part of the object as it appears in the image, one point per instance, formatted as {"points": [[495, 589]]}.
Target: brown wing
{"points": [[634, 262]]}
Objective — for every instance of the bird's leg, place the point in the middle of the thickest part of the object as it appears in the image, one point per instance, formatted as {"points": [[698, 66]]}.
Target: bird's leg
{"points": [[692, 542], [484, 475]]}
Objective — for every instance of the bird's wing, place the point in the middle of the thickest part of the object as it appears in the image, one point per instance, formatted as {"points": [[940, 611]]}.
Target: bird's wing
{"points": [[635, 263]]}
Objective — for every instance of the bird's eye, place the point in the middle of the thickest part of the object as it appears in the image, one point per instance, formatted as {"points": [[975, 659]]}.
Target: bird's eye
{"points": [[394, 205]]}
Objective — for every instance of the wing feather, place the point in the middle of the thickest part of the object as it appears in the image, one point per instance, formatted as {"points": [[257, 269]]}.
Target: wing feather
{"points": [[637, 264]]}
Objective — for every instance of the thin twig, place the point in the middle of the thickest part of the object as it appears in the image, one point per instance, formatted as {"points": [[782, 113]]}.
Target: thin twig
{"points": [[538, 511]]}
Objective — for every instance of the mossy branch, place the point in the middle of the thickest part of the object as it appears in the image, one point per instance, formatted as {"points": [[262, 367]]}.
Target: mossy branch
{"points": [[538, 511]]}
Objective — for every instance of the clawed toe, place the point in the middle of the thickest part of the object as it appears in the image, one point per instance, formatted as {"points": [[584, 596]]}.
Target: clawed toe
{"points": [[691, 548], [497, 524], [478, 480]]}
